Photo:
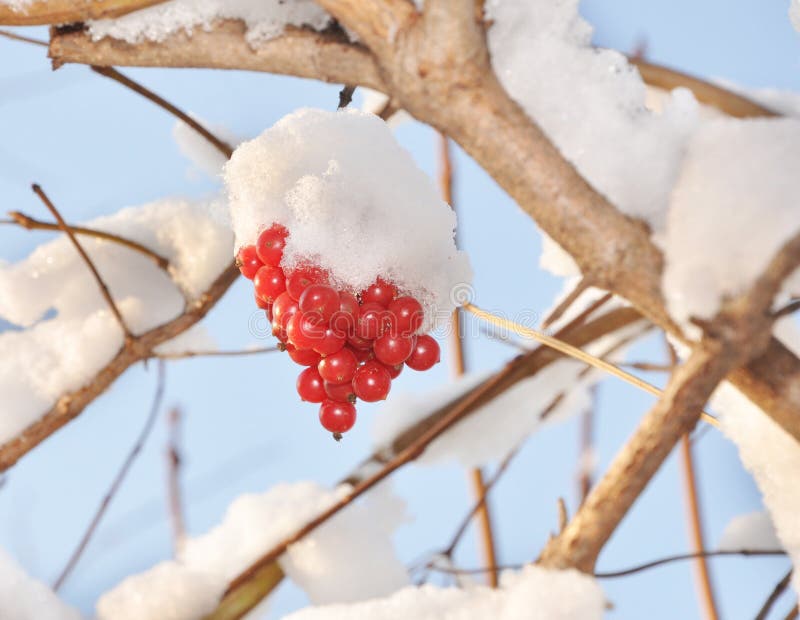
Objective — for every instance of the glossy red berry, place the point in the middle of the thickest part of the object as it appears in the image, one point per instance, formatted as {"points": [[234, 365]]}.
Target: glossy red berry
{"points": [[320, 298], [282, 310], [393, 350], [394, 371], [407, 316], [372, 321], [248, 261], [269, 283], [270, 244], [331, 342], [381, 292], [340, 392], [356, 342], [262, 304], [372, 382], [300, 279], [304, 357], [363, 355], [339, 367], [305, 331], [337, 417], [310, 386], [345, 318], [425, 353]]}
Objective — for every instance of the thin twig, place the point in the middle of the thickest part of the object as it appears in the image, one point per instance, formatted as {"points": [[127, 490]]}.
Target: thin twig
{"points": [[446, 184], [100, 283], [773, 597], [568, 349], [174, 460], [118, 479], [19, 37], [346, 96], [793, 613], [692, 500], [109, 72], [188, 354], [557, 312], [646, 366], [633, 569], [29, 223], [586, 455], [790, 308]]}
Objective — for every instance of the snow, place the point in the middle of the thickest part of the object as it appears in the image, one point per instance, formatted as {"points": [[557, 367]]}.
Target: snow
{"points": [[24, 598], [533, 593], [204, 155], [591, 103], [374, 102], [17, 5], [355, 203], [347, 559], [753, 530], [71, 333], [794, 14], [734, 206], [264, 19], [773, 458]]}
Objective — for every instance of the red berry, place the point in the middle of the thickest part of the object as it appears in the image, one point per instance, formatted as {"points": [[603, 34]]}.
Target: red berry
{"points": [[261, 303], [379, 293], [248, 261], [363, 355], [304, 357], [300, 279], [393, 350], [394, 371], [320, 298], [372, 321], [339, 367], [372, 382], [305, 331], [269, 282], [282, 310], [331, 342], [340, 392], [310, 386], [345, 318], [270, 244], [357, 342], [425, 353], [337, 417], [407, 315]]}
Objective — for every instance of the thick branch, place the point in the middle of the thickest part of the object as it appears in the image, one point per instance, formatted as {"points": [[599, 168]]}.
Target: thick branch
{"points": [[299, 52], [675, 414], [41, 12]]}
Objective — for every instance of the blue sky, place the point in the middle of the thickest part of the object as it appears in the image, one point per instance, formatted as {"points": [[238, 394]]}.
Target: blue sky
{"points": [[96, 147]]}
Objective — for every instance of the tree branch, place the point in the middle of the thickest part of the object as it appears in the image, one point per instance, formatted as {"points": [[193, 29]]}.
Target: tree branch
{"points": [[96, 274], [303, 53], [42, 12]]}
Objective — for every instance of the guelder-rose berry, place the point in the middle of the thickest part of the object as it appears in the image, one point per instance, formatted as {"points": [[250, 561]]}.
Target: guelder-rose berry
{"points": [[248, 261], [362, 355], [339, 367], [310, 386], [425, 353], [372, 382], [407, 315], [393, 350], [331, 342], [304, 357], [340, 392], [337, 417], [394, 371], [320, 298], [270, 244], [282, 310], [303, 277], [357, 342], [305, 330], [269, 282], [372, 321], [381, 292]]}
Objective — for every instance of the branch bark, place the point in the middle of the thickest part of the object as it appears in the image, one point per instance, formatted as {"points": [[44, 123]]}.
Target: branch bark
{"points": [[42, 12]]}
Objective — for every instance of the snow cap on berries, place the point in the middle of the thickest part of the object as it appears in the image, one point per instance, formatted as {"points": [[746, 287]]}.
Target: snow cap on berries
{"points": [[354, 202]]}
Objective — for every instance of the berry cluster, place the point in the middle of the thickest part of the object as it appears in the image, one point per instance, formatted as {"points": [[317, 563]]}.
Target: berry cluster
{"points": [[352, 345]]}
